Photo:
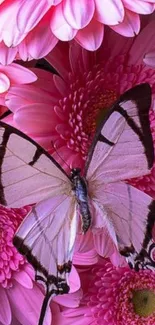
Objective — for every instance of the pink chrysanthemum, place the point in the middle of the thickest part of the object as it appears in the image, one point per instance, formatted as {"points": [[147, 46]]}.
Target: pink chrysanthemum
{"points": [[31, 29], [63, 111], [112, 296], [20, 297]]}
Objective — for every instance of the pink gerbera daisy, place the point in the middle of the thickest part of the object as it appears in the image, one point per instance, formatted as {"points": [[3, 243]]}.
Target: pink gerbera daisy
{"points": [[31, 29], [112, 296], [20, 297], [62, 111], [12, 75]]}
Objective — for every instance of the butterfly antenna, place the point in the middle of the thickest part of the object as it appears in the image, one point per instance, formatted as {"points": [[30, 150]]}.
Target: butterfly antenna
{"points": [[54, 147]]}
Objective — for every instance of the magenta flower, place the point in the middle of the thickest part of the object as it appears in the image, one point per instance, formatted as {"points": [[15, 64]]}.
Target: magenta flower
{"points": [[112, 296], [12, 75], [73, 101], [20, 297], [29, 29]]}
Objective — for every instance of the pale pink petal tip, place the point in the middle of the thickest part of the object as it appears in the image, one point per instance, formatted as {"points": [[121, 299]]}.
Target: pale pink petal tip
{"points": [[149, 59], [78, 13], [110, 14], [4, 83]]}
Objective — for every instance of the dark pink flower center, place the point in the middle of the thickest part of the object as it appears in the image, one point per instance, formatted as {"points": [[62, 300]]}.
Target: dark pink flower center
{"points": [[10, 259]]}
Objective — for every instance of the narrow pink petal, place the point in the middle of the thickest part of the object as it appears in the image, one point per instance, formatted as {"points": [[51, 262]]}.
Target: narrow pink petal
{"points": [[4, 83], [29, 15], [5, 311], [28, 305], [61, 85], [34, 118], [84, 243], [143, 44], [19, 74], [19, 96], [149, 59], [130, 25], [91, 36], [78, 13], [59, 59], [59, 26], [40, 41], [45, 82], [74, 280], [118, 260], [23, 51], [103, 243], [7, 55], [111, 12], [24, 279], [87, 258], [138, 6], [71, 300], [8, 26]]}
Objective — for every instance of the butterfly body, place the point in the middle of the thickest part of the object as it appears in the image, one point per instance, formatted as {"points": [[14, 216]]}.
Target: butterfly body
{"points": [[79, 187]]}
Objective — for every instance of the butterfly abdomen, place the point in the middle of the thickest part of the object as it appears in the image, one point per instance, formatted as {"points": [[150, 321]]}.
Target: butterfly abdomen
{"points": [[79, 187]]}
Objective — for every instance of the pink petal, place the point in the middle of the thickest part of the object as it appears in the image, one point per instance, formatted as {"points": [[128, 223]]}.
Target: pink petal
{"points": [[130, 25], [8, 27], [118, 260], [74, 280], [23, 51], [84, 243], [59, 59], [88, 258], [5, 311], [40, 41], [91, 36], [138, 6], [24, 279], [45, 82], [71, 300], [26, 304], [149, 59], [29, 15], [7, 55], [78, 13], [19, 96], [60, 28], [19, 74], [33, 117], [142, 44], [4, 83], [110, 12], [60, 85], [103, 243]]}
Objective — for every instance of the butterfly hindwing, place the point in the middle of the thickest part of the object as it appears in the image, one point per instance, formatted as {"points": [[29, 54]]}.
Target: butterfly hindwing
{"points": [[131, 214], [46, 238]]}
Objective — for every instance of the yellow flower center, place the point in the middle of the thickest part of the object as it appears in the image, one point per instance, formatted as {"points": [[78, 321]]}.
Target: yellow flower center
{"points": [[144, 302]]}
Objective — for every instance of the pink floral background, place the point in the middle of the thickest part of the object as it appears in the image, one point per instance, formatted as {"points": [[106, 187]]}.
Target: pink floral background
{"points": [[92, 51]]}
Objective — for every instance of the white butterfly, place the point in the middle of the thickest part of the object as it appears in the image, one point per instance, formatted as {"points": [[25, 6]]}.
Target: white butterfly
{"points": [[122, 149]]}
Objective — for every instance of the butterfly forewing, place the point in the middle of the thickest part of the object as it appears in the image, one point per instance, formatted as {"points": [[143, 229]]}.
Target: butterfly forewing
{"points": [[123, 146], [28, 173]]}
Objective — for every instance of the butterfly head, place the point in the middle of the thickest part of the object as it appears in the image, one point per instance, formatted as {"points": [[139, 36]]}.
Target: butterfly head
{"points": [[75, 172]]}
